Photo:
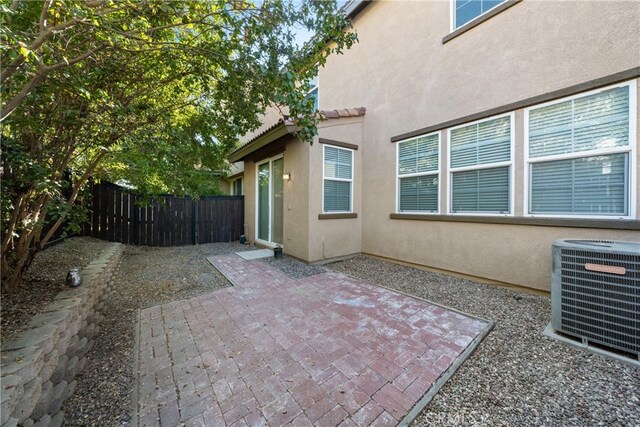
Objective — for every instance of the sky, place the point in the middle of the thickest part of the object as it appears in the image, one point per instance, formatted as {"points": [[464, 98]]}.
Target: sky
{"points": [[302, 34]]}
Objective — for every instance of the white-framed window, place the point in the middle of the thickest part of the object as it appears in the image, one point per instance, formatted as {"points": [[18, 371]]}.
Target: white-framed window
{"points": [[580, 155], [337, 174], [236, 187], [418, 174], [314, 92], [463, 11], [481, 168]]}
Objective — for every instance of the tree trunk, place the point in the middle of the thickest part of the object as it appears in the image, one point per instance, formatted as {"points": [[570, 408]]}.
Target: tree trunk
{"points": [[16, 258]]}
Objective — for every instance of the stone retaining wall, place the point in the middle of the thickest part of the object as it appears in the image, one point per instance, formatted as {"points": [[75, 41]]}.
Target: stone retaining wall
{"points": [[40, 363]]}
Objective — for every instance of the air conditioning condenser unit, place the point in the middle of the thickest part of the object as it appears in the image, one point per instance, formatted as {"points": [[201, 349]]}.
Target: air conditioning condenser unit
{"points": [[595, 296]]}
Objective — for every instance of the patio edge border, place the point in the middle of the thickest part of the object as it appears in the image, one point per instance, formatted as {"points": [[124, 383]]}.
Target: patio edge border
{"points": [[136, 372], [448, 373], [455, 365], [446, 376], [227, 278]]}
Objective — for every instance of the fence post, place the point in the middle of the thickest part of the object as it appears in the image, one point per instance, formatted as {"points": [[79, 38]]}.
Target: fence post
{"points": [[135, 220], [242, 225], [194, 211]]}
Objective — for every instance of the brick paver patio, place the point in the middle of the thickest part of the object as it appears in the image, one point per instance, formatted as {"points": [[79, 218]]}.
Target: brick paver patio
{"points": [[326, 350]]}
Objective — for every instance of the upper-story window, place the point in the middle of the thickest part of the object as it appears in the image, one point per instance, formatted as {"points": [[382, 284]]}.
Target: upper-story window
{"points": [[581, 155], [338, 179], [418, 174], [467, 10], [480, 166], [313, 92]]}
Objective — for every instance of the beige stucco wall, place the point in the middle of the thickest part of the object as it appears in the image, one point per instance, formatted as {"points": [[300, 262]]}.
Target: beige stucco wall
{"points": [[332, 238], [408, 79], [250, 200], [305, 236], [296, 199], [513, 254]]}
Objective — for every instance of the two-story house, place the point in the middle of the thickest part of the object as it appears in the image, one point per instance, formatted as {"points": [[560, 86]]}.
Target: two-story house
{"points": [[464, 136]]}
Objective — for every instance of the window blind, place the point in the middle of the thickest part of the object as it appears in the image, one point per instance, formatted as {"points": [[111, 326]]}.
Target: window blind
{"points": [[419, 194], [418, 155], [337, 163], [337, 196], [481, 143], [484, 190], [587, 185], [597, 121]]}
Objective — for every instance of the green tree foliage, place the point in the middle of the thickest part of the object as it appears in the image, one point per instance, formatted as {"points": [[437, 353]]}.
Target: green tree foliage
{"points": [[152, 91]]}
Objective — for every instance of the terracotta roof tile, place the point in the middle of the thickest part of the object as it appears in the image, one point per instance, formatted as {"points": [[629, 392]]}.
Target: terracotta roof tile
{"points": [[329, 114], [344, 112]]}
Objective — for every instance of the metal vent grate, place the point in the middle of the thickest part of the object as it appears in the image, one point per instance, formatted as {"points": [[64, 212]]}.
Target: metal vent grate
{"points": [[602, 307]]}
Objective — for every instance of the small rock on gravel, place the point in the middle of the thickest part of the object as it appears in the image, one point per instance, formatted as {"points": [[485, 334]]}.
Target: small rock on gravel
{"points": [[44, 279], [147, 277]]}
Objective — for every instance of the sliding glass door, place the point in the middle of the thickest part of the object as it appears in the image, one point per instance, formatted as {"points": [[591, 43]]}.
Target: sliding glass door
{"points": [[270, 201]]}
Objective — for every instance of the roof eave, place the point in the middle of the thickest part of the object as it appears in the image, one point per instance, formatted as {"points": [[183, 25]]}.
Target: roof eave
{"points": [[274, 134], [355, 7], [235, 175]]}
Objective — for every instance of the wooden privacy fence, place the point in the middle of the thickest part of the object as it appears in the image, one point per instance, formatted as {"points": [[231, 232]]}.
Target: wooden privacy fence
{"points": [[167, 221]]}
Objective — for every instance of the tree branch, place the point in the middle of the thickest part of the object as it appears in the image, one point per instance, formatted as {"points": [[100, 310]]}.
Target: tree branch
{"points": [[46, 33], [42, 73], [11, 69], [44, 13], [17, 99], [94, 3], [79, 58], [11, 225]]}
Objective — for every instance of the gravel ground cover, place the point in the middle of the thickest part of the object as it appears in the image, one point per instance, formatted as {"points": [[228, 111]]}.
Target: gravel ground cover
{"points": [[294, 268], [516, 377], [148, 277], [44, 279]]}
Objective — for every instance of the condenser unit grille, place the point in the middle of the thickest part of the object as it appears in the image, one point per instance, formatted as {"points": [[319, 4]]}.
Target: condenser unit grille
{"points": [[600, 306]]}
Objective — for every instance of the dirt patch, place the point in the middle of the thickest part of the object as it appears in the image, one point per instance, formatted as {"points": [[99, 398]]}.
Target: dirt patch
{"points": [[44, 280]]}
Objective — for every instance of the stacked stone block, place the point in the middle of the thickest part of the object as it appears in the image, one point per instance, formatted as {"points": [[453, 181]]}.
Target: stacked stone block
{"points": [[40, 363]]}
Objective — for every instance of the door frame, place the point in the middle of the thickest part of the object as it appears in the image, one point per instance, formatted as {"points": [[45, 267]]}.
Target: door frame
{"points": [[270, 161]]}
